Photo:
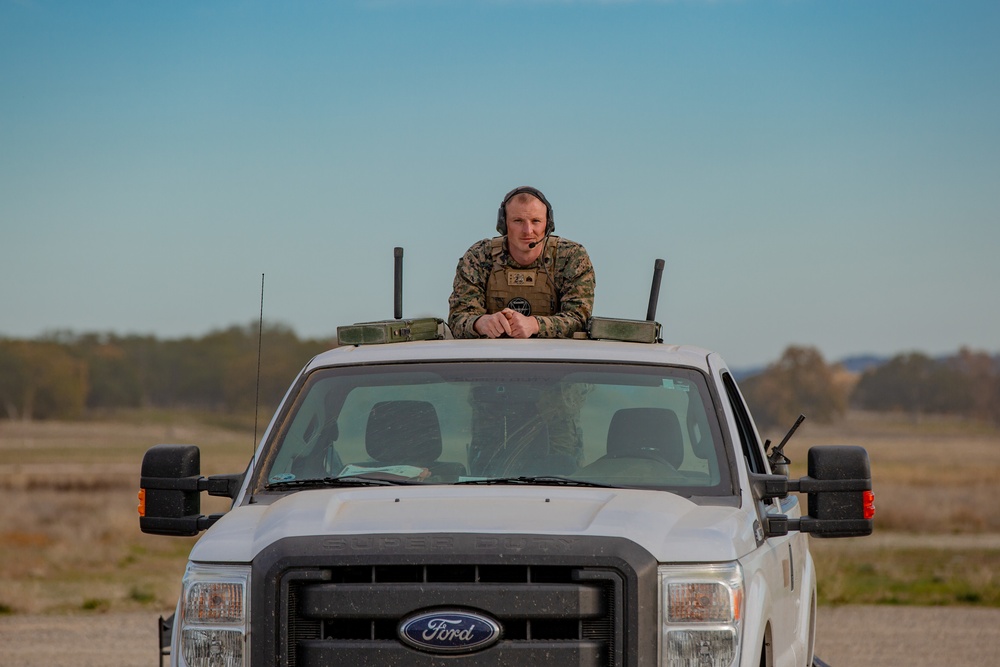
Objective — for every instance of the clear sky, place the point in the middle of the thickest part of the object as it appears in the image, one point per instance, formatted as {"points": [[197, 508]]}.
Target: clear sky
{"points": [[813, 172]]}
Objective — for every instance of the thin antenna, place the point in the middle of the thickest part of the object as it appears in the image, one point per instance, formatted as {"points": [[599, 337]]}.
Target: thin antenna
{"points": [[260, 338]]}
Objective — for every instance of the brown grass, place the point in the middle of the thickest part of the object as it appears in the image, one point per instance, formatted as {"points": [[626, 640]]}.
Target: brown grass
{"points": [[71, 541], [68, 520], [930, 475], [937, 534]]}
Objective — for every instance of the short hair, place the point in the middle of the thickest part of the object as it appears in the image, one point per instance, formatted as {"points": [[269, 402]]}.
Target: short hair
{"points": [[523, 198]]}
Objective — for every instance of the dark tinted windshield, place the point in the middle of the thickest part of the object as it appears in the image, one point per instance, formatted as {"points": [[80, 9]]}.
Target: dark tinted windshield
{"points": [[617, 425]]}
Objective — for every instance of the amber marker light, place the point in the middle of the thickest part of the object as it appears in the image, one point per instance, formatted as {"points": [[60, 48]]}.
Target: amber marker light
{"points": [[700, 602], [142, 502]]}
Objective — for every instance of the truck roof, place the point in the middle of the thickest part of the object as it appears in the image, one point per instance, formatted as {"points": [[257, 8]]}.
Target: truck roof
{"points": [[515, 350]]}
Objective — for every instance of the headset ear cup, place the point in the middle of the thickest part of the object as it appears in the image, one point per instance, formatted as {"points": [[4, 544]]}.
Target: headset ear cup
{"points": [[502, 219]]}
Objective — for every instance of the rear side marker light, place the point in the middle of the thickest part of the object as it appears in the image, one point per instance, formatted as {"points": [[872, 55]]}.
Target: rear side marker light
{"points": [[869, 502]]}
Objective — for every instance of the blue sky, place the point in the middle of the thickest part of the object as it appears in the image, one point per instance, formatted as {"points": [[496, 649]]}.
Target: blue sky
{"points": [[813, 172]]}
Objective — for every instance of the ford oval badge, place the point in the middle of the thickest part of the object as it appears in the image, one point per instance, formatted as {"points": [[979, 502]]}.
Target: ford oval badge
{"points": [[449, 631]]}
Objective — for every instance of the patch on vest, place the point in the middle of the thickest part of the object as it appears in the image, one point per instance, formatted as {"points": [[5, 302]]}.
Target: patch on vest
{"points": [[520, 305], [520, 278]]}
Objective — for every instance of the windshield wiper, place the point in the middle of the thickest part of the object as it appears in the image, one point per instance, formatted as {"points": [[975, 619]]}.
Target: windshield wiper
{"points": [[541, 480], [346, 480]]}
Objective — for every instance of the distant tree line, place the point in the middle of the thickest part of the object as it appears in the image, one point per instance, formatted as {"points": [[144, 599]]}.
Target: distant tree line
{"points": [[64, 375], [801, 382]]}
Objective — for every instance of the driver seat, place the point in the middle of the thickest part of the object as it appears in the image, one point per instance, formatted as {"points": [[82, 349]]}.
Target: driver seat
{"points": [[407, 433]]}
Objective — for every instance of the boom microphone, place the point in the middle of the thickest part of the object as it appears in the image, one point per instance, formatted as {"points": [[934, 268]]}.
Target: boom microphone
{"points": [[534, 243]]}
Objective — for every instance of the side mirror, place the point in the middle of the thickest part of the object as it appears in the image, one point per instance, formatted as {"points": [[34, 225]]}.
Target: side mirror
{"points": [[839, 487], [840, 513], [170, 491]]}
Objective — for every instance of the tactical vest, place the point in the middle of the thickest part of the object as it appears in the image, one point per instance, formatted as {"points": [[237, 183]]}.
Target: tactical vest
{"points": [[529, 291]]}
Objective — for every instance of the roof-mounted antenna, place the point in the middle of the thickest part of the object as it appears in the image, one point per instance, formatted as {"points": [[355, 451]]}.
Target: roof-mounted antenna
{"points": [[397, 254], [654, 290]]}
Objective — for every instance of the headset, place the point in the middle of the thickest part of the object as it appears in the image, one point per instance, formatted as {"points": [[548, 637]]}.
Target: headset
{"points": [[550, 223]]}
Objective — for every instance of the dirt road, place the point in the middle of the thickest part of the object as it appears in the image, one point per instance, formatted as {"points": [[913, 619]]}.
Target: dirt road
{"points": [[886, 636], [848, 636]]}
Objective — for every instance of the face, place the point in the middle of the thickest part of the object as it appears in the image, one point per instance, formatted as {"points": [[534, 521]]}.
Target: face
{"points": [[525, 224]]}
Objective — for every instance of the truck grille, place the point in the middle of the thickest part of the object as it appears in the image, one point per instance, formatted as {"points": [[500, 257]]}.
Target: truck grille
{"points": [[552, 609], [547, 614]]}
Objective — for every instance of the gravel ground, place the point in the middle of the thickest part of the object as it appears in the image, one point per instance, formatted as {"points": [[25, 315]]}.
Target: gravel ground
{"points": [[848, 636], [95, 640], [883, 636]]}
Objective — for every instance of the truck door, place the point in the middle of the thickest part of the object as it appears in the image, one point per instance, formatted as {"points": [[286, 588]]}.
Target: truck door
{"points": [[779, 561]]}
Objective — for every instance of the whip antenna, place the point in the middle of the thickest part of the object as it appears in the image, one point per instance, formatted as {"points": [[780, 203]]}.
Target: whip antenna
{"points": [[260, 338]]}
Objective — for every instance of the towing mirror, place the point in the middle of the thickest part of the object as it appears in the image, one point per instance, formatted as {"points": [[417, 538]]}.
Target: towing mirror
{"points": [[839, 488], [840, 513], [170, 491]]}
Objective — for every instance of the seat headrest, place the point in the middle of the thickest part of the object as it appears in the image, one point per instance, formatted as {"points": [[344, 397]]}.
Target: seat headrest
{"points": [[403, 433], [646, 433]]}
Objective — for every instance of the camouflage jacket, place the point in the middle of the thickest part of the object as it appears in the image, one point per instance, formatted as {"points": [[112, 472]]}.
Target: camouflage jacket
{"points": [[574, 282]]}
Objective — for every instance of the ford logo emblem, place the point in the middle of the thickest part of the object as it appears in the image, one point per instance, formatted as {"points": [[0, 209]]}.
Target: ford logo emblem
{"points": [[449, 631]]}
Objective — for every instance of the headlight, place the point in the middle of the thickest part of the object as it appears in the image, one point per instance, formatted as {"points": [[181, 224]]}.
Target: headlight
{"points": [[700, 615], [214, 614]]}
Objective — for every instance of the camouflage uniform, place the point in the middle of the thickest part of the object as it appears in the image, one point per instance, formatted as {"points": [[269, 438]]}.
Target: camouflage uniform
{"points": [[526, 430], [573, 277]]}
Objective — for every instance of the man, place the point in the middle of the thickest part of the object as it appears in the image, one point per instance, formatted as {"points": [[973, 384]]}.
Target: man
{"points": [[525, 282]]}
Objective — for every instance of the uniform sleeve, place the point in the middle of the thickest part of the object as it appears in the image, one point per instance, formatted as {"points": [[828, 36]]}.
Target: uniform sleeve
{"points": [[575, 282], [468, 293]]}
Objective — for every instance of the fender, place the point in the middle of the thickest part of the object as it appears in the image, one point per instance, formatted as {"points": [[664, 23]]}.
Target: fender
{"points": [[807, 612], [756, 616]]}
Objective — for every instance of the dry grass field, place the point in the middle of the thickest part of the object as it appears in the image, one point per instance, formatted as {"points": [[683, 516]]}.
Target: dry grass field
{"points": [[937, 532], [71, 542], [68, 521]]}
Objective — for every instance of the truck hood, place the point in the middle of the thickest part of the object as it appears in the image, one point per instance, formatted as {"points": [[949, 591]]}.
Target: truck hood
{"points": [[671, 528]]}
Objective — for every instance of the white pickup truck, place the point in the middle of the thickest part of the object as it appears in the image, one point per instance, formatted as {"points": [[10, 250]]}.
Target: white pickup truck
{"points": [[470, 503]]}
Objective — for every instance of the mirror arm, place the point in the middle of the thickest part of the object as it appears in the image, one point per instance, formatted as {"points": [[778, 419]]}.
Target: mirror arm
{"points": [[227, 486], [216, 485], [768, 487]]}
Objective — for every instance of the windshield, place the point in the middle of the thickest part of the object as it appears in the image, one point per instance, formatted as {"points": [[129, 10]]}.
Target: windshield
{"points": [[496, 422]]}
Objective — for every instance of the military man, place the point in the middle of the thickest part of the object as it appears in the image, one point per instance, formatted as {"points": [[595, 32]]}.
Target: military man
{"points": [[526, 282]]}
